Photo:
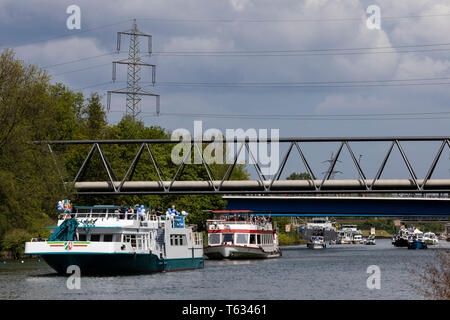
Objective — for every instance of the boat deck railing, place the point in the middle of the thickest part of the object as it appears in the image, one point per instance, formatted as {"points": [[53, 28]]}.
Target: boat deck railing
{"points": [[114, 215]]}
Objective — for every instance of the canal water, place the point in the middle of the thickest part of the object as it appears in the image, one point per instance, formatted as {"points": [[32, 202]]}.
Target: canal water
{"points": [[337, 272]]}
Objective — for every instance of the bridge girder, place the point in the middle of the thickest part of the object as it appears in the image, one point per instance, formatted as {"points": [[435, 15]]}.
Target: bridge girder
{"points": [[264, 185]]}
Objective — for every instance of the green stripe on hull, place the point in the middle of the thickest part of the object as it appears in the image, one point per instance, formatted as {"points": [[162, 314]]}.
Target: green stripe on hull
{"points": [[119, 263]]}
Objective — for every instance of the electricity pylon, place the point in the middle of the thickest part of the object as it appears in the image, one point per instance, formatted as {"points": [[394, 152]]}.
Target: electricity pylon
{"points": [[134, 91], [330, 172]]}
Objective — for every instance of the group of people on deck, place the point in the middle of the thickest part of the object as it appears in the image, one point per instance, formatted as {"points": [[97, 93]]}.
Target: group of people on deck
{"points": [[130, 212], [253, 218]]}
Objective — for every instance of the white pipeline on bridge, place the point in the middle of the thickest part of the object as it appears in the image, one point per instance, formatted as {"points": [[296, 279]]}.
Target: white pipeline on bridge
{"points": [[280, 186]]}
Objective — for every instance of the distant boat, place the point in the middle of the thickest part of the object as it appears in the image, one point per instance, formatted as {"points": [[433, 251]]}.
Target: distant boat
{"points": [[430, 238], [319, 227], [316, 242], [349, 234], [416, 241], [401, 239], [357, 239], [370, 240]]}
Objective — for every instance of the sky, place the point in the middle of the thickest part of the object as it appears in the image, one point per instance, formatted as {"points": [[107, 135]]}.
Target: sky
{"points": [[315, 58]]}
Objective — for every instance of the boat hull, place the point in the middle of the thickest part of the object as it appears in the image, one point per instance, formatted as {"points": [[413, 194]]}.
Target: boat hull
{"points": [[417, 245], [316, 245], [239, 252], [118, 263], [401, 243]]}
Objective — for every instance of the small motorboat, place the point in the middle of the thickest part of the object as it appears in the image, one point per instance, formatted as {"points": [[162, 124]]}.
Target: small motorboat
{"points": [[430, 238], [316, 242], [401, 239], [416, 242], [370, 240]]}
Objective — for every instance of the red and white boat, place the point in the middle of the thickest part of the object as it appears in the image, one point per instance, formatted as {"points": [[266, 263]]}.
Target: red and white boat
{"points": [[238, 234]]}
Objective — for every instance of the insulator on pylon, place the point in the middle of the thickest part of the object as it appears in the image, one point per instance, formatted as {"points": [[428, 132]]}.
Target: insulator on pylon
{"points": [[118, 42], [114, 71], [108, 100], [157, 106]]}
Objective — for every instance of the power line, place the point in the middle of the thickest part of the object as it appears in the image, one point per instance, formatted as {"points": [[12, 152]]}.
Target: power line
{"points": [[298, 83], [362, 18], [308, 84], [95, 85], [242, 85], [256, 117], [78, 60], [252, 52], [72, 34], [83, 69], [346, 117], [294, 54]]}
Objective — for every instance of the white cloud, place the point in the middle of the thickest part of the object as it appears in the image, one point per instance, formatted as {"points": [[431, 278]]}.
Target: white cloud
{"points": [[60, 50], [352, 104], [240, 5]]}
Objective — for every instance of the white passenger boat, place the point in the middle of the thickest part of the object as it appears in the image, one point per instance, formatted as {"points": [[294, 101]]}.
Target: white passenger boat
{"points": [[100, 240], [343, 237], [316, 242], [319, 226], [237, 234], [430, 238], [349, 234]]}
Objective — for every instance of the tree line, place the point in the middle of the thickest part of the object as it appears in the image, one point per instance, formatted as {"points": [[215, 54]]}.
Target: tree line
{"points": [[34, 109]]}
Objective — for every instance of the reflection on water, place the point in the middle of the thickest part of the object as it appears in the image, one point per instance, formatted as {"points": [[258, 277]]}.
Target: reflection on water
{"points": [[337, 272]]}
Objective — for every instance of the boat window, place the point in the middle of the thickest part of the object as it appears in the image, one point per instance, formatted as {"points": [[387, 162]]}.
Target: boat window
{"points": [[259, 238], [178, 240], [214, 238], [81, 237], [95, 237], [228, 238], [107, 237], [242, 238], [253, 239], [131, 238]]}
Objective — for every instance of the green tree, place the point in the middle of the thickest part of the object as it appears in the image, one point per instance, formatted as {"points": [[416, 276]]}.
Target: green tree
{"points": [[31, 109], [299, 176], [31, 174]]}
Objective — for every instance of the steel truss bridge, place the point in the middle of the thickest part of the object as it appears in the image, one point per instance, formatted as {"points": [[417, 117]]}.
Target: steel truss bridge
{"points": [[263, 185]]}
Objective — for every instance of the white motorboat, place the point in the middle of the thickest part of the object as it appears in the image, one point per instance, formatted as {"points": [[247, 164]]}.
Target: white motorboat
{"points": [[316, 242], [430, 238]]}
